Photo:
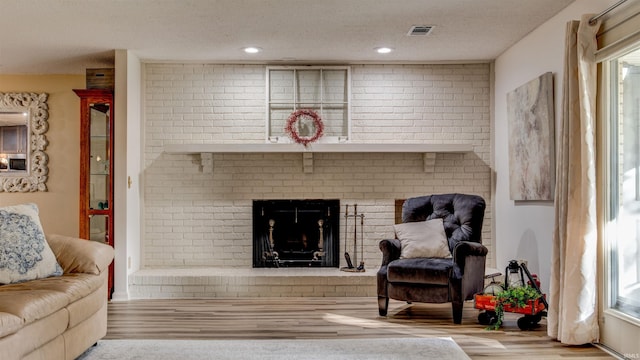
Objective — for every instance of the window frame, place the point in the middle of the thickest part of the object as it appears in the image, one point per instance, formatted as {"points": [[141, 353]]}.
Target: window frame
{"points": [[611, 189], [282, 137]]}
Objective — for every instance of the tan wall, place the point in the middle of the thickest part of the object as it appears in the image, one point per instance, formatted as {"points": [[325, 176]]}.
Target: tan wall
{"points": [[59, 205]]}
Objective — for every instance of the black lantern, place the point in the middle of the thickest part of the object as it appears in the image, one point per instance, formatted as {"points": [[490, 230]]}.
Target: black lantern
{"points": [[514, 277]]}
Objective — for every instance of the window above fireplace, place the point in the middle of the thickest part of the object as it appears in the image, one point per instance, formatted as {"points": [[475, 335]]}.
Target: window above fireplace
{"points": [[323, 89]]}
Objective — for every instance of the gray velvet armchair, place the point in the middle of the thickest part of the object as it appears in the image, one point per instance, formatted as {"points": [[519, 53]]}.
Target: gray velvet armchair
{"points": [[454, 278]]}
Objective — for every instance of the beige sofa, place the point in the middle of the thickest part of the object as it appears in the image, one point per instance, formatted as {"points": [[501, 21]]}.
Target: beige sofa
{"points": [[62, 316]]}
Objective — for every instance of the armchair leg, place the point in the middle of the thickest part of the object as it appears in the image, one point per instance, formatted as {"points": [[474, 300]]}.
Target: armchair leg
{"points": [[456, 308], [383, 304]]}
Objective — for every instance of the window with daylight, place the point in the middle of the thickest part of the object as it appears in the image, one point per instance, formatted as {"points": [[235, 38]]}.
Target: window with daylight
{"points": [[624, 184], [323, 89], [618, 146]]}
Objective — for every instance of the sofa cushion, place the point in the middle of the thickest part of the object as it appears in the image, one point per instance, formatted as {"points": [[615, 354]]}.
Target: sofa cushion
{"points": [[420, 271], [9, 324], [31, 305], [73, 286], [422, 239], [84, 308], [28, 340], [24, 251]]}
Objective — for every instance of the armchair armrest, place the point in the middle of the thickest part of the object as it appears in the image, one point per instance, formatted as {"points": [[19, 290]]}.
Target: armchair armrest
{"points": [[470, 259], [467, 248], [390, 250], [80, 256]]}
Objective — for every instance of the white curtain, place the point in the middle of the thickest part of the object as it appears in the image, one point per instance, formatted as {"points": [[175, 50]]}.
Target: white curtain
{"points": [[572, 314]]}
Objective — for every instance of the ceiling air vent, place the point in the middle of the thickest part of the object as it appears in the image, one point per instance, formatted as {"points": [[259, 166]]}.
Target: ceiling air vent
{"points": [[420, 30]]}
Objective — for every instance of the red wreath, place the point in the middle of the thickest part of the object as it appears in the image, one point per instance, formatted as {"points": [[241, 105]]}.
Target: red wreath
{"points": [[292, 128]]}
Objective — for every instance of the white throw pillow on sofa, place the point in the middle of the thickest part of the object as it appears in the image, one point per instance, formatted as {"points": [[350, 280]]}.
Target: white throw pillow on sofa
{"points": [[422, 239], [24, 251]]}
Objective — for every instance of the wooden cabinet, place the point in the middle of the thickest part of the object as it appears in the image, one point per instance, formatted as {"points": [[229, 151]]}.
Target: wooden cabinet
{"points": [[96, 168]]}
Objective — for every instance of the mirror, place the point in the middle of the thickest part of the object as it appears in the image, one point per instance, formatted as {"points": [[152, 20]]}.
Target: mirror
{"points": [[23, 124]]}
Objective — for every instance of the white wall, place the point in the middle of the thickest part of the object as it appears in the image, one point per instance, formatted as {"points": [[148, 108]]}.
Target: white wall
{"points": [[524, 229], [196, 219], [128, 154]]}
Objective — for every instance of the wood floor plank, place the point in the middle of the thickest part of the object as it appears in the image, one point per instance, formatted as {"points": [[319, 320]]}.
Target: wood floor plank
{"points": [[330, 318]]}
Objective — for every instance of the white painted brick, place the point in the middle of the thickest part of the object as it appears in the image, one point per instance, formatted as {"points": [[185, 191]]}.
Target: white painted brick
{"points": [[202, 220]]}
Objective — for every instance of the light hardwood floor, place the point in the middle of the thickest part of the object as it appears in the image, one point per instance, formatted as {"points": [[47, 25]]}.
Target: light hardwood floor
{"points": [[322, 318]]}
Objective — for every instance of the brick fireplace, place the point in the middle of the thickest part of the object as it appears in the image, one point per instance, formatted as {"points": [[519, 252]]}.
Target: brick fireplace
{"points": [[199, 222]]}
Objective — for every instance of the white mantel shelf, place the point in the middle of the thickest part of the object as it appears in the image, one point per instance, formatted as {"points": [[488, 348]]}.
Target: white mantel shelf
{"points": [[316, 148], [206, 151]]}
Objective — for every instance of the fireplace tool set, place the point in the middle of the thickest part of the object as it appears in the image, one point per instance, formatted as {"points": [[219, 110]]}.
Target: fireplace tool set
{"points": [[350, 267]]}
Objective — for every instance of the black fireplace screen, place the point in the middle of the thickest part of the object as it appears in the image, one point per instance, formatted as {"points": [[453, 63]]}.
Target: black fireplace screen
{"points": [[296, 233]]}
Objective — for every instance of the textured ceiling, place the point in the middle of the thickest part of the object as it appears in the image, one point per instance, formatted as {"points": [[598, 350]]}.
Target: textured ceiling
{"points": [[68, 36]]}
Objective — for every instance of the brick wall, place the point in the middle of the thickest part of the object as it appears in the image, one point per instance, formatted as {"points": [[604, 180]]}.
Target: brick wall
{"points": [[196, 219]]}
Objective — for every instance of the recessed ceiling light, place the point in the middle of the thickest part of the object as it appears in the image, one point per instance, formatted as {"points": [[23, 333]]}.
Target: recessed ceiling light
{"points": [[384, 50], [252, 50]]}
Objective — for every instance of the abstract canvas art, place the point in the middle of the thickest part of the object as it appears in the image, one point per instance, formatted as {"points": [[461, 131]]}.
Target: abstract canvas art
{"points": [[530, 115]]}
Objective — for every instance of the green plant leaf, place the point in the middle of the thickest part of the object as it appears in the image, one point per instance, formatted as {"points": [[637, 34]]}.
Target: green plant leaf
{"points": [[514, 297]]}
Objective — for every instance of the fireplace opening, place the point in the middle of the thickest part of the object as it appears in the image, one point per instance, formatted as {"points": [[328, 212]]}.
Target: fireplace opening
{"points": [[296, 233]]}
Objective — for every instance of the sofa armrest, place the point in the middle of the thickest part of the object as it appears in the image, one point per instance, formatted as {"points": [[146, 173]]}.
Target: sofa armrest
{"points": [[390, 250], [80, 256]]}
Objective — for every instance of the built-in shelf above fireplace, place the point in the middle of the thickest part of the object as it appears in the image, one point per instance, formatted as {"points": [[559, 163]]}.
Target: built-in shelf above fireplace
{"points": [[316, 148], [206, 151]]}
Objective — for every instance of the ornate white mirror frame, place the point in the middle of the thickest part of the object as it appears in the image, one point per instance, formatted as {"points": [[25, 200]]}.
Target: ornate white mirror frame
{"points": [[36, 174]]}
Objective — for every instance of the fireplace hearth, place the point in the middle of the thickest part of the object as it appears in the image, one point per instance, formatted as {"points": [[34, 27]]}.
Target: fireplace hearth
{"points": [[296, 233]]}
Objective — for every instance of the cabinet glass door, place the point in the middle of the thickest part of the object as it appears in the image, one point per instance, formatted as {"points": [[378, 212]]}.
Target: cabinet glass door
{"points": [[96, 168], [99, 171], [99, 228]]}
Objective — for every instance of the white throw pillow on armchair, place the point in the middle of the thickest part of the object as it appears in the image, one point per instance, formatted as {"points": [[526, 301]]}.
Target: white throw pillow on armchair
{"points": [[422, 239]]}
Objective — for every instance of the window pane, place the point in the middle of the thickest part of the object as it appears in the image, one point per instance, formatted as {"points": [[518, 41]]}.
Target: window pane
{"points": [[281, 86], [335, 86], [334, 119], [279, 118], [309, 86], [625, 184]]}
